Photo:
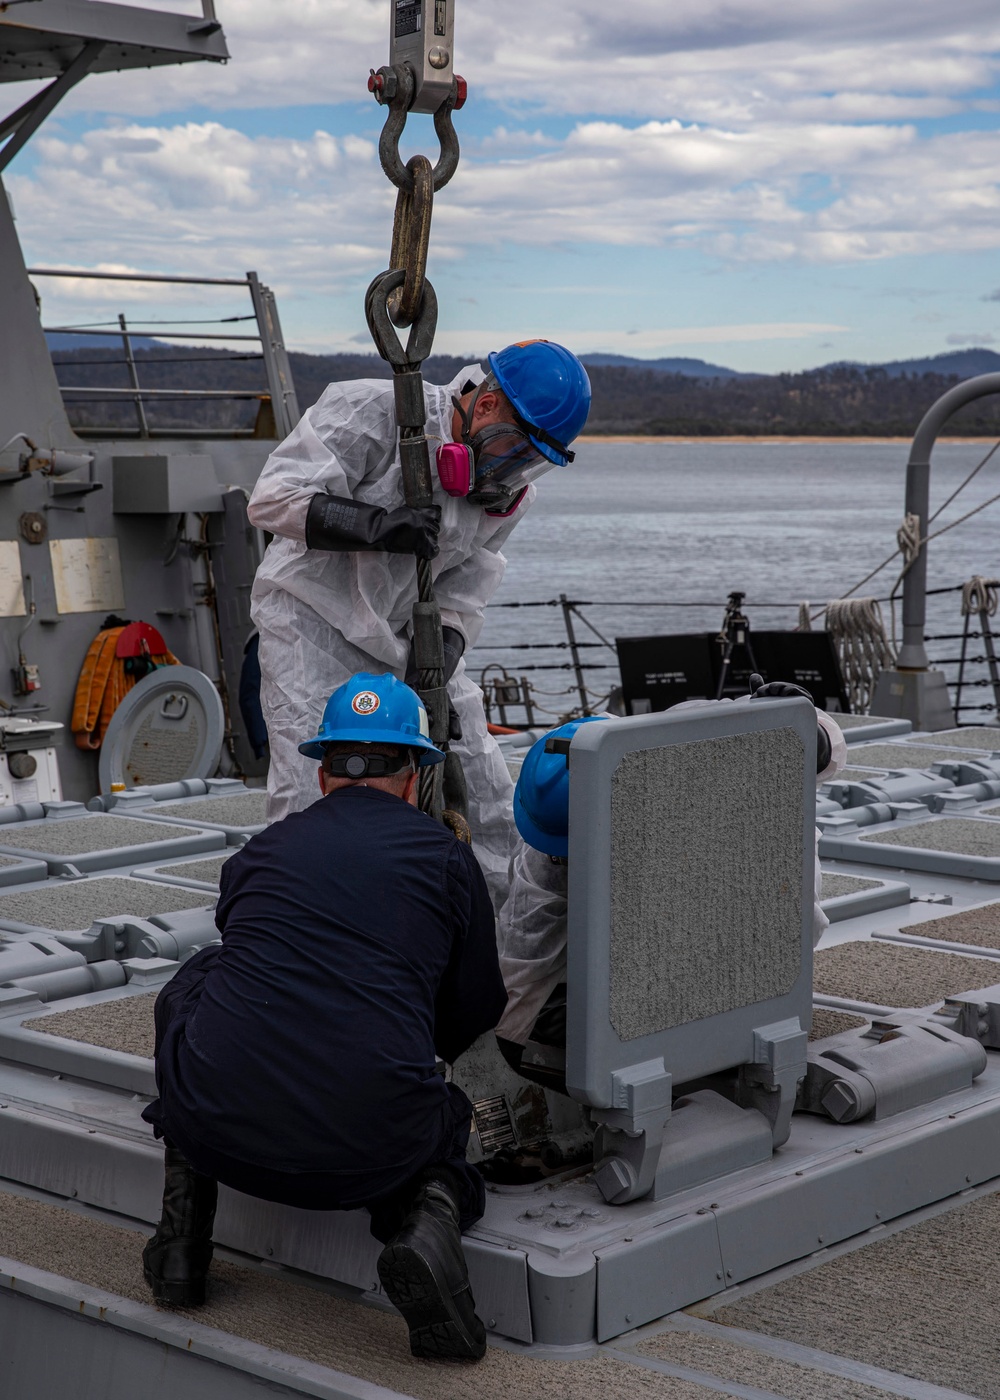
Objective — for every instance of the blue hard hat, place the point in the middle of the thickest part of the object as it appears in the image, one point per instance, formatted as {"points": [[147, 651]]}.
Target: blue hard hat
{"points": [[549, 391], [371, 709], [541, 798]]}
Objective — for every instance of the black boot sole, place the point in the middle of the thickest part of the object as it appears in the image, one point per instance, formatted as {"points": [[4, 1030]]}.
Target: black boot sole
{"points": [[174, 1294], [442, 1327]]}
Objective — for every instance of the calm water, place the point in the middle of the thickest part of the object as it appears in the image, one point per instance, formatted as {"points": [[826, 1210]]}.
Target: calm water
{"points": [[667, 523]]}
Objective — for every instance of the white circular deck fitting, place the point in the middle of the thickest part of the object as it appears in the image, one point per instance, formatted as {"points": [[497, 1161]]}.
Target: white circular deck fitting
{"points": [[170, 726]]}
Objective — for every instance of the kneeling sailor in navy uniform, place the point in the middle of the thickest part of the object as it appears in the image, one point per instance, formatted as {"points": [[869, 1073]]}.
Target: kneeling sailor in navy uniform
{"points": [[296, 1062]]}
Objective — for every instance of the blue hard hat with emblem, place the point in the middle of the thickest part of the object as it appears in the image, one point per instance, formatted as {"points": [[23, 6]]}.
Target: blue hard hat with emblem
{"points": [[549, 390], [541, 798], [370, 709]]}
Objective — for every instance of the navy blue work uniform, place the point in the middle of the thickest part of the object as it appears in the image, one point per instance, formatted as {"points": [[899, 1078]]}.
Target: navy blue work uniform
{"points": [[297, 1062]]}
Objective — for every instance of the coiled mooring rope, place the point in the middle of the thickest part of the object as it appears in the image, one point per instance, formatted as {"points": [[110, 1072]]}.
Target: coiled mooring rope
{"points": [[858, 634]]}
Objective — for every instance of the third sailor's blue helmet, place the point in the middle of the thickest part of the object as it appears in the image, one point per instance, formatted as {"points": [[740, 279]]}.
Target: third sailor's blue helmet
{"points": [[371, 709], [541, 798]]}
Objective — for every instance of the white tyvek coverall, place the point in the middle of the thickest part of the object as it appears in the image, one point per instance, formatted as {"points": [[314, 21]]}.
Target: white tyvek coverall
{"points": [[532, 928], [325, 615]]}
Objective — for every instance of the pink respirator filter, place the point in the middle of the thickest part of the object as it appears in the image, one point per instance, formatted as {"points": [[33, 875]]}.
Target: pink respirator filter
{"points": [[456, 467]]}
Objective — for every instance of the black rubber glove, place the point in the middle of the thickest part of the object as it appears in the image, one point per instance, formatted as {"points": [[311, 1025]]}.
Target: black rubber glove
{"points": [[454, 647], [787, 690], [338, 523], [777, 690]]}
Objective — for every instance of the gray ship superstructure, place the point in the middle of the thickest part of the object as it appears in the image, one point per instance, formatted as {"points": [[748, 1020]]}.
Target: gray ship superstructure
{"points": [[785, 1140]]}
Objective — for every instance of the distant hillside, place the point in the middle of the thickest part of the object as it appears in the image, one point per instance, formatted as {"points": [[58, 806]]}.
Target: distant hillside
{"points": [[694, 369], [835, 401], [962, 363], [66, 340], [842, 401]]}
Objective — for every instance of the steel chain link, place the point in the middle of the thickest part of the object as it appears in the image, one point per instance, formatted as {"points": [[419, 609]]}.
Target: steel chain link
{"points": [[398, 298]]}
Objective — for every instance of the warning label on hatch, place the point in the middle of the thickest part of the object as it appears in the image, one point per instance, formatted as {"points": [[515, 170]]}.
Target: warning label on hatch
{"points": [[408, 17]]}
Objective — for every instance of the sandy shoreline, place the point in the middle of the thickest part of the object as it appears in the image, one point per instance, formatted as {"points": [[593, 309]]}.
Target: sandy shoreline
{"points": [[763, 439]]}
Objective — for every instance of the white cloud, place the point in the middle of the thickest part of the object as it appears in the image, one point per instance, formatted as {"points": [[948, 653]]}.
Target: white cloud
{"points": [[316, 213], [731, 61], [477, 340], [974, 338], [766, 132]]}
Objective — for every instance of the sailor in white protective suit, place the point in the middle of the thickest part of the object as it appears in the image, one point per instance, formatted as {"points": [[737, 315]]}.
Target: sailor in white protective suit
{"points": [[335, 592], [532, 929]]}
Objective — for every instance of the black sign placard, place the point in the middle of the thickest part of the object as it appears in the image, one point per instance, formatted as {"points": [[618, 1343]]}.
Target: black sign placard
{"points": [[806, 658], [658, 672], [408, 17], [661, 671]]}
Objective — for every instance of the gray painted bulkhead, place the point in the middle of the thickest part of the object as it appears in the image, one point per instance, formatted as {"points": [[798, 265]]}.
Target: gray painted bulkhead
{"points": [[163, 585]]}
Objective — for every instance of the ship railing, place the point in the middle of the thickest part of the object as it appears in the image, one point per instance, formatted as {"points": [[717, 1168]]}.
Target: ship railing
{"points": [[523, 692], [278, 410]]}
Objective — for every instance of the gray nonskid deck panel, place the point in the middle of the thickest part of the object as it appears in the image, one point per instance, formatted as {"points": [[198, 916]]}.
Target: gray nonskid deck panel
{"points": [[124, 1024], [976, 927], [16, 871], [529, 1286], [245, 809], [847, 1304], [986, 737], [848, 896], [905, 754], [99, 842], [239, 816], [836, 886], [538, 1278], [961, 836], [959, 846], [50, 1139], [571, 1265], [895, 975], [724, 1356], [859, 729], [73, 906], [203, 873]]}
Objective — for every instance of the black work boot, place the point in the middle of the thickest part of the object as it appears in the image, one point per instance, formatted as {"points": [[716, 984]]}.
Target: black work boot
{"points": [[423, 1272], [175, 1261]]}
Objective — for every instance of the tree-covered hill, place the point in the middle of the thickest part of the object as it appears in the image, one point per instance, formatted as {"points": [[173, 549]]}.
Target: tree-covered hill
{"points": [[837, 400]]}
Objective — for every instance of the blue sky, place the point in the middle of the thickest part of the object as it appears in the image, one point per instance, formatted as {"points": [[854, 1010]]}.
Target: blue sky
{"points": [[715, 178]]}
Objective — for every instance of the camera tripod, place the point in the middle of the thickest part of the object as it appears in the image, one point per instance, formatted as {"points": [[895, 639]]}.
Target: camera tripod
{"points": [[734, 636]]}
